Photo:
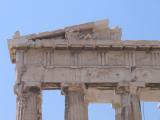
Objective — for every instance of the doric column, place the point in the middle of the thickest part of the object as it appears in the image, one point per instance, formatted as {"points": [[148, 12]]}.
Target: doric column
{"points": [[76, 108], [127, 104], [28, 103]]}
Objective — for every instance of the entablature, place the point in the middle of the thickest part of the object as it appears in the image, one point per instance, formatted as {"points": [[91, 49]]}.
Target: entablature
{"points": [[90, 52]]}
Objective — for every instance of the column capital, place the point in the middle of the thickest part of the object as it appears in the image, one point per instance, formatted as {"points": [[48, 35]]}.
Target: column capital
{"points": [[136, 87], [129, 87], [72, 87], [22, 88]]}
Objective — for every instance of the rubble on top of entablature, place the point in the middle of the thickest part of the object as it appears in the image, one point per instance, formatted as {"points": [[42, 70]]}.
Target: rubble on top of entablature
{"points": [[98, 30]]}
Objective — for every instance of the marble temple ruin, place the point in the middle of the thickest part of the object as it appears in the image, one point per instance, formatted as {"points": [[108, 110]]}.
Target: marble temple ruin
{"points": [[89, 63]]}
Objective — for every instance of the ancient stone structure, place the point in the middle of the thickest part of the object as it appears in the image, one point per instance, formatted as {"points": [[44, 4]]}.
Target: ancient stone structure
{"points": [[88, 63]]}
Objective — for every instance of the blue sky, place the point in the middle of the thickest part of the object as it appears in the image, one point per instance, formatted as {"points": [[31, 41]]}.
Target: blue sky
{"points": [[139, 20]]}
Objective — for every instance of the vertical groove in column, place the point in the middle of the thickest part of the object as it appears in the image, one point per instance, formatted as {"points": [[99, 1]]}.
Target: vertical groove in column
{"points": [[39, 105], [66, 107], [86, 111], [125, 99], [118, 113], [136, 107]]}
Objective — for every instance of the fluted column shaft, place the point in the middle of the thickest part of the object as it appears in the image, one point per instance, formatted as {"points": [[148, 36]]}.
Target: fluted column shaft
{"points": [[129, 107], [75, 106], [29, 104]]}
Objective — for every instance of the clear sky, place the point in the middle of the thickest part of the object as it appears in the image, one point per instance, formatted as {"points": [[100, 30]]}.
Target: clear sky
{"points": [[139, 19]]}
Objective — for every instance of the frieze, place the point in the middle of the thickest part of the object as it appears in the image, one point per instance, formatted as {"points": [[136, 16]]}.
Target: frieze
{"points": [[84, 58], [53, 58]]}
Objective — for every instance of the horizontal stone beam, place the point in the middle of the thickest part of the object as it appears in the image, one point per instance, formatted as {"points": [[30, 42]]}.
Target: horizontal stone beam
{"points": [[107, 96], [52, 44]]}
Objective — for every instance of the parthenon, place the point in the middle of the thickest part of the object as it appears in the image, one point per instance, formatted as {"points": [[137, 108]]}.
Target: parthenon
{"points": [[89, 63]]}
